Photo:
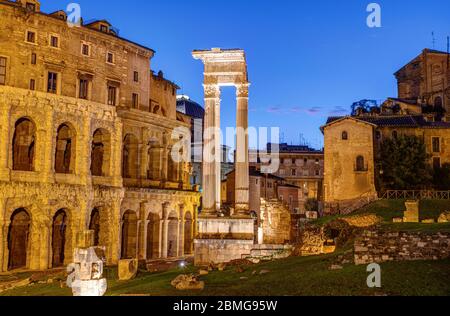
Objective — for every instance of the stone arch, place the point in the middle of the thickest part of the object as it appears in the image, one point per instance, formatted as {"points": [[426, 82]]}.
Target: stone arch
{"points": [[130, 164], [154, 160], [65, 149], [153, 228], [59, 238], [172, 169], [129, 235], [172, 235], [101, 153], [94, 225], [19, 233], [188, 233], [24, 145]]}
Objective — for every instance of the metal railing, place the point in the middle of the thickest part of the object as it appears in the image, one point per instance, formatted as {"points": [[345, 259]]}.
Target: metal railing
{"points": [[415, 195]]}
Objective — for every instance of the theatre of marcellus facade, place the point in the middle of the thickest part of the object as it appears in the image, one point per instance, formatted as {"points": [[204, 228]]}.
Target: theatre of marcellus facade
{"points": [[85, 142]]}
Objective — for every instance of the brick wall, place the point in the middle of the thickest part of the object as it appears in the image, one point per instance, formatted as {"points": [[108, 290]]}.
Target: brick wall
{"points": [[377, 246]]}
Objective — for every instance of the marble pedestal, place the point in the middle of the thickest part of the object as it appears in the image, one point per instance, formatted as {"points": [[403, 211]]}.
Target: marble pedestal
{"points": [[221, 240]]}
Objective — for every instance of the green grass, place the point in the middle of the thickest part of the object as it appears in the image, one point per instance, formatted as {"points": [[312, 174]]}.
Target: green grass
{"points": [[296, 276], [388, 209]]}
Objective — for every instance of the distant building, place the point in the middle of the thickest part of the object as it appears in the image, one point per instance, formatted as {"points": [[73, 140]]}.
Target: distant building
{"points": [[352, 143], [197, 113], [300, 166]]}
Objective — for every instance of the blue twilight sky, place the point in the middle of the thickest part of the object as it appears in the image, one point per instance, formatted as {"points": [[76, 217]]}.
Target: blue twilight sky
{"points": [[306, 59]]}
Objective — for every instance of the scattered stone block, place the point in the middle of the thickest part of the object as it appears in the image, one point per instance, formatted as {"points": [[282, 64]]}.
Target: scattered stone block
{"points": [[363, 221], [128, 269], [397, 220], [203, 272], [221, 267], [264, 271], [411, 214], [444, 217], [428, 221], [187, 282], [336, 267]]}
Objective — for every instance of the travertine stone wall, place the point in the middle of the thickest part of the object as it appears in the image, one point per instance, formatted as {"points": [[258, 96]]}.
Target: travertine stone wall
{"points": [[276, 222], [378, 247], [342, 181]]}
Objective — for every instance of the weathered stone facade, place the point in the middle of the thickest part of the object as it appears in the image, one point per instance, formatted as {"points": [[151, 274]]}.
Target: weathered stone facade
{"points": [[85, 143], [378, 247]]}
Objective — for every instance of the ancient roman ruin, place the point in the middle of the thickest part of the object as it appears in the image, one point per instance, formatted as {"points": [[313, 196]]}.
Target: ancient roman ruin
{"points": [[85, 144]]}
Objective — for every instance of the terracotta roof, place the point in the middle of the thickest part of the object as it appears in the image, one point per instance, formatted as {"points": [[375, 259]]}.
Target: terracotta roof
{"points": [[394, 121]]}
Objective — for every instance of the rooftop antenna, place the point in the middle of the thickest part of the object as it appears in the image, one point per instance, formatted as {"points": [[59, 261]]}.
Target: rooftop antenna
{"points": [[433, 40]]}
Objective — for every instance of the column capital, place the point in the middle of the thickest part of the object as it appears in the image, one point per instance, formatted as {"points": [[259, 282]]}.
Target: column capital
{"points": [[212, 91], [242, 90]]}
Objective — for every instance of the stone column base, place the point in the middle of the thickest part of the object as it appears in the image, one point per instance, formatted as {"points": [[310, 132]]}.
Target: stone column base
{"points": [[221, 240]]}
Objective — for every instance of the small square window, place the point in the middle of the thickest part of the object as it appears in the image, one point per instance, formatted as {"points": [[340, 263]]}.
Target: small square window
{"points": [[31, 37], [436, 145], [32, 84], [33, 58], [110, 58], [112, 92], [104, 28], [135, 100], [83, 89], [30, 6], [2, 70], [85, 49], [52, 82], [54, 41]]}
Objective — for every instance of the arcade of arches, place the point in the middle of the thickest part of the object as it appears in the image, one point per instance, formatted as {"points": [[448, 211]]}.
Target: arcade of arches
{"points": [[69, 168]]}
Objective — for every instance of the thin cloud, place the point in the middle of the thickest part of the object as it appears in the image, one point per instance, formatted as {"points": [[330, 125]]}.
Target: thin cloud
{"points": [[339, 110], [314, 110], [274, 109]]}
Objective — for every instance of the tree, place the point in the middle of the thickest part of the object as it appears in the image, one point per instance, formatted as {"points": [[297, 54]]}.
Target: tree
{"points": [[364, 107], [312, 205], [403, 164], [441, 179]]}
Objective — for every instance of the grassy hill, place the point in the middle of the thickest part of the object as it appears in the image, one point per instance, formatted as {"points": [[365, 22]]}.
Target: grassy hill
{"points": [[388, 209]]}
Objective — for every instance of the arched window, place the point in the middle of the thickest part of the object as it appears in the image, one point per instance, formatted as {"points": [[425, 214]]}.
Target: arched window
{"points": [[130, 157], [94, 225], [100, 153], [65, 150], [344, 135], [59, 238], [360, 165], [24, 143], [18, 239], [129, 235]]}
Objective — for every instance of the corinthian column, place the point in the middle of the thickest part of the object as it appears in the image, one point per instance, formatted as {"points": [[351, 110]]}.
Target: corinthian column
{"points": [[211, 155], [241, 159]]}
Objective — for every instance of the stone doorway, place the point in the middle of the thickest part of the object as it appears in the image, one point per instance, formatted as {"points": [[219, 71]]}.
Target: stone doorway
{"points": [[18, 239], [94, 225], [172, 237], [129, 235], [153, 236], [24, 143], [188, 236], [64, 150], [59, 238]]}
